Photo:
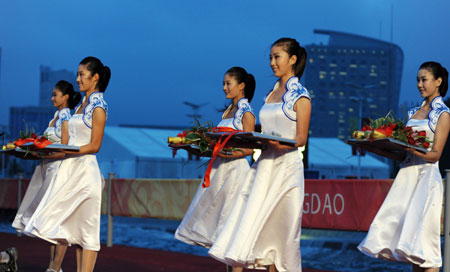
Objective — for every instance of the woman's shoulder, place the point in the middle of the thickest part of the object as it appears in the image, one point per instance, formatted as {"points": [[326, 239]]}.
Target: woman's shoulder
{"points": [[295, 90], [244, 106], [64, 114]]}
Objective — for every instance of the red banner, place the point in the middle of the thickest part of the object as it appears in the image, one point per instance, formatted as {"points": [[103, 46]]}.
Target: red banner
{"points": [[348, 204]]}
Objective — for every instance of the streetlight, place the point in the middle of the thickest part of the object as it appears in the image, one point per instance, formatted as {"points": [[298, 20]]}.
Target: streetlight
{"points": [[360, 100]]}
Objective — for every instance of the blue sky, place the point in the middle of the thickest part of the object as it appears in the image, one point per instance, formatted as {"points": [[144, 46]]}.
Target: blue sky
{"points": [[162, 53]]}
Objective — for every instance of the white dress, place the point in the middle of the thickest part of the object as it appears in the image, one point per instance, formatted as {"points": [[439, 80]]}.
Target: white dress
{"points": [[407, 225], [70, 210], [42, 175], [264, 226], [211, 206]]}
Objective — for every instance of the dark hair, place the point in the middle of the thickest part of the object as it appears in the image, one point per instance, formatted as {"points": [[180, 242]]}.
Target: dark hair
{"points": [[242, 76], [95, 66], [438, 71], [292, 47], [67, 88]]}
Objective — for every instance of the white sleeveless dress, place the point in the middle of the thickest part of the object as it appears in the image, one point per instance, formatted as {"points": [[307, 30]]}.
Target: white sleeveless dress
{"points": [[407, 225], [70, 210], [42, 175], [264, 226], [211, 206]]}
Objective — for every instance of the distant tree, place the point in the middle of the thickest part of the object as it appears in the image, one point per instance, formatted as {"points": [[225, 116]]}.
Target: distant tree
{"points": [[444, 162]]}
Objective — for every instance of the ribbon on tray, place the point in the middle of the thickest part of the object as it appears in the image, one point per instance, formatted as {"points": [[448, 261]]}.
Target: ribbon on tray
{"points": [[219, 145], [40, 142]]}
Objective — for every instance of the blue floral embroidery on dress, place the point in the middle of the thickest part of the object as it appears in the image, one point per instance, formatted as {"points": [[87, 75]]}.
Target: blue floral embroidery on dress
{"points": [[242, 107], [437, 108], [294, 91], [95, 101], [63, 115]]}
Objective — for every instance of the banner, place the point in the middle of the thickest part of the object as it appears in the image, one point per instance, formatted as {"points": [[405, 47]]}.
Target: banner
{"points": [[349, 204]]}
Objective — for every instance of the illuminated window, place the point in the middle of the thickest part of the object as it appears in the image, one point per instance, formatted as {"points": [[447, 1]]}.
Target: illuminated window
{"points": [[321, 57], [331, 94], [372, 106], [321, 76], [383, 82], [373, 74], [343, 73], [341, 93], [311, 60], [350, 109], [353, 66], [332, 64]]}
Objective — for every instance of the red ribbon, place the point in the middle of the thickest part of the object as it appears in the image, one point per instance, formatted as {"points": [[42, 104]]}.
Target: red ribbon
{"points": [[219, 145], [41, 142]]}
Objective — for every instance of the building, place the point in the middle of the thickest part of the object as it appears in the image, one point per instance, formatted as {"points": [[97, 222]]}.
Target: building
{"points": [[38, 117], [48, 79], [350, 78], [139, 152]]}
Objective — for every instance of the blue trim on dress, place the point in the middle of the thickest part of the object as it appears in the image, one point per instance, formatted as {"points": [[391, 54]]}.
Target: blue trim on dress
{"points": [[296, 90], [437, 106], [63, 115], [243, 106], [99, 102]]}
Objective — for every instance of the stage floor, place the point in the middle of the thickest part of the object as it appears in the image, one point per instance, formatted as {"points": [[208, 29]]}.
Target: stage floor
{"points": [[34, 256]]}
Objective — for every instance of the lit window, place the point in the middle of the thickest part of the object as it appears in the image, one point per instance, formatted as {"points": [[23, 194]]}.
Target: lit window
{"points": [[353, 66], [321, 57], [373, 74], [350, 109], [372, 106], [343, 73], [311, 60], [332, 64]]}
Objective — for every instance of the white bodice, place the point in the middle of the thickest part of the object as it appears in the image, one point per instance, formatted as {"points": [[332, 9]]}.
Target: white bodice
{"points": [[79, 132], [228, 123], [53, 133], [80, 125], [274, 121]]}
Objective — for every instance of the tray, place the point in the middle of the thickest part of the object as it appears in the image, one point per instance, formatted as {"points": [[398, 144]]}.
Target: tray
{"points": [[192, 149], [251, 139], [30, 147], [385, 144]]}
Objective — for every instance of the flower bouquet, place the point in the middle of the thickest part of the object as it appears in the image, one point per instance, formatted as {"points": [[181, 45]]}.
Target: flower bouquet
{"points": [[193, 140], [31, 146], [388, 134]]}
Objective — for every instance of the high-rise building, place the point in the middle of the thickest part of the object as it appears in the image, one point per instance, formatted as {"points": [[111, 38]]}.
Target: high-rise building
{"points": [[350, 78], [48, 80], [38, 117]]}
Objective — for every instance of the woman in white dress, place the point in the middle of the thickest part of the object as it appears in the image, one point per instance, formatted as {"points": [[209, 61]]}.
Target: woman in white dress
{"points": [[407, 225], [263, 229], [64, 98], [69, 212], [211, 205]]}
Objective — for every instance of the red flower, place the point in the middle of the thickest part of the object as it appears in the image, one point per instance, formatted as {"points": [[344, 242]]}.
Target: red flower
{"points": [[366, 128], [422, 133], [426, 144], [411, 140]]}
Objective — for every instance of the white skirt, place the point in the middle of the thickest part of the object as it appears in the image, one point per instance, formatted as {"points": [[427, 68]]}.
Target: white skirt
{"points": [[407, 225], [70, 210], [264, 226], [42, 176], [211, 206]]}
